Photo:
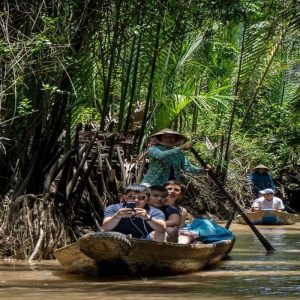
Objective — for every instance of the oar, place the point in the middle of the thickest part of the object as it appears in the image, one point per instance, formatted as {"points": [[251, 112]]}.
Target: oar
{"points": [[231, 217], [292, 210], [262, 239]]}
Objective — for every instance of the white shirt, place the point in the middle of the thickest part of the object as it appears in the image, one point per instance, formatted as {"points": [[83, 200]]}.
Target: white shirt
{"points": [[262, 203]]}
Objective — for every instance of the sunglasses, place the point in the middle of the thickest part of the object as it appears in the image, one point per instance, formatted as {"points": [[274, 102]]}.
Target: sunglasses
{"points": [[139, 197]]}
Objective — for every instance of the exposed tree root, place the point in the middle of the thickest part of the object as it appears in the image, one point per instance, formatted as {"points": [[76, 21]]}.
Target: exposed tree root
{"points": [[82, 183]]}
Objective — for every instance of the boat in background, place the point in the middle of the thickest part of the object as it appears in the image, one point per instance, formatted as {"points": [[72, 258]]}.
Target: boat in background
{"points": [[112, 253], [268, 217]]}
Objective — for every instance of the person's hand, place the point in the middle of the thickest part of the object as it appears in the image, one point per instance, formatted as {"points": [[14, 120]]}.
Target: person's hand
{"points": [[125, 213], [141, 213], [186, 147]]}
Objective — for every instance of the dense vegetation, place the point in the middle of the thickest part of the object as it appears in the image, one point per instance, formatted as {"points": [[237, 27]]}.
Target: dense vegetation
{"points": [[224, 72]]}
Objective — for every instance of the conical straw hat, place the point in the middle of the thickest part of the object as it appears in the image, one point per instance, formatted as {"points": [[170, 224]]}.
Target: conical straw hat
{"points": [[261, 166], [181, 139]]}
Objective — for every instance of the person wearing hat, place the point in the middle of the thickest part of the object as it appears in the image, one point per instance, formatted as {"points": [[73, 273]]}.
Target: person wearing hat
{"points": [[267, 201], [261, 179], [167, 158]]}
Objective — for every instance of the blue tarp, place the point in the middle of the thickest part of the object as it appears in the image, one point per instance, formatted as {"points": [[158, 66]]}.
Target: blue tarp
{"points": [[209, 231]]}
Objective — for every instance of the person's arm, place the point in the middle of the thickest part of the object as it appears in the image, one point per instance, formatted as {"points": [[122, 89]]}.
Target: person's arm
{"points": [[112, 217], [155, 223], [272, 183], [255, 188], [280, 205], [250, 178], [255, 206], [190, 168], [255, 209], [173, 220], [183, 217]]}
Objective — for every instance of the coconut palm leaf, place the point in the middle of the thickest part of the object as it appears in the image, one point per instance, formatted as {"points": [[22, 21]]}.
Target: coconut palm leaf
{"points": [[263, 41]]}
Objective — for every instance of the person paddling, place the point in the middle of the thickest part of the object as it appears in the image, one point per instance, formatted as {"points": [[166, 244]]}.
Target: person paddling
{"points": [[267, 201], [261, 179], [167, 158]]}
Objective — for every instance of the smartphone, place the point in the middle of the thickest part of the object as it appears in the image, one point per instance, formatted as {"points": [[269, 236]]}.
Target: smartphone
{"points": [[131, 205]]}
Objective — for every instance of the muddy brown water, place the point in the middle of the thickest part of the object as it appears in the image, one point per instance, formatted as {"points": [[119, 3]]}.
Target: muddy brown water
{"points": [[249, 273]]}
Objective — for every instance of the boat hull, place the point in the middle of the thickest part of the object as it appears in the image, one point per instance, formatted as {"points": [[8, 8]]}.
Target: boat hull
{"points": [[144, 258], [268, 217]]}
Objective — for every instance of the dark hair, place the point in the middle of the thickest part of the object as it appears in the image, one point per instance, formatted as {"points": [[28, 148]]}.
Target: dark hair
{"points": [[158, 188], [175, 182], [137, 188]]}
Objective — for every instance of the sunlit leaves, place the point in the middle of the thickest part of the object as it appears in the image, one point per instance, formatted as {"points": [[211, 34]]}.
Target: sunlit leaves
{"points": [[25, 107]]}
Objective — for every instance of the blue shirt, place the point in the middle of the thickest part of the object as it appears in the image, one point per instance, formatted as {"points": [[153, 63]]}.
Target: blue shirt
{"points": [[138, 227], [261, 181]]}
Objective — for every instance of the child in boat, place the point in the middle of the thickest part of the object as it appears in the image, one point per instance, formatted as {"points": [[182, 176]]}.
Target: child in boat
{"points": [[134, 216], [158, 199], [267, 201]]}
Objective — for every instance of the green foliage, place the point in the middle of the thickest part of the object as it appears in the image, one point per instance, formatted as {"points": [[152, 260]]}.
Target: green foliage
{"points": [[25, 107], [51, 89], [4, 48], [88, 116], [196, 66], [40, 42]]}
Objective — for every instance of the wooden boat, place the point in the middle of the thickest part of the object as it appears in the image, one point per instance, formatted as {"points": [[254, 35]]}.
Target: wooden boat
{"points": [[111, 253], [268, 217]]}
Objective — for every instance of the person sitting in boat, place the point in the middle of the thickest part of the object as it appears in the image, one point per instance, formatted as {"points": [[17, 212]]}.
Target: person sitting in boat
{"points": [[175, 193], [167, 158], [267, 201], [158, 199], [134, 216], [261, 179]]}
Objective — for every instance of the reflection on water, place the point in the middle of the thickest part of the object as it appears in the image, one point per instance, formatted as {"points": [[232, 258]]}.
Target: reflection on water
{"points": [[249, 273]]}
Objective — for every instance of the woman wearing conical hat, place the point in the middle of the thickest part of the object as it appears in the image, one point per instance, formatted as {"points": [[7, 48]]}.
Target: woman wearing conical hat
{"points": [[166, 157], [261, 179]]}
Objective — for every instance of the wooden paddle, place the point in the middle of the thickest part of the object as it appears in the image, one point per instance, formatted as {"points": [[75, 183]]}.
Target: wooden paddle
{"points": [[231, 217], [292, 210], [262, 239]]}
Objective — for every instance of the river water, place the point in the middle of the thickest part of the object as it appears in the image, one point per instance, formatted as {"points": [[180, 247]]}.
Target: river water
{"points": [[249, 273]]}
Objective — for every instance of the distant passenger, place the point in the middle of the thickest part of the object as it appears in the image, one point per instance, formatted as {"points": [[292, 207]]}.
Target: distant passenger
{"points": [[158, 199], [261, 179], [267, 201]]}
